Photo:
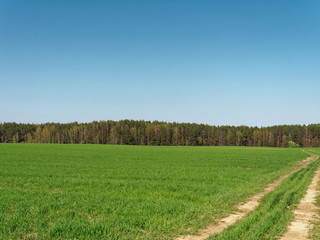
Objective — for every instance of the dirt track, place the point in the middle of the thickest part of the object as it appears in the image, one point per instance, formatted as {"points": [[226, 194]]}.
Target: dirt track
{"points": [[305, 213], [244, 208]]}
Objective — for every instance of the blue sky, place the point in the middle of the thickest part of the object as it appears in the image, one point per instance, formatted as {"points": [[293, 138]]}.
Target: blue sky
{"points": [[215, 62]]}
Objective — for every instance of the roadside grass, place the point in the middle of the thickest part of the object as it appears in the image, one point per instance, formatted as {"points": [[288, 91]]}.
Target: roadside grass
{"points": [[275, 212], [128, 192]]}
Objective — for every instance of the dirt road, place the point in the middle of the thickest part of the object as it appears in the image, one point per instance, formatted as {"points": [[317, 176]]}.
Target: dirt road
{"points": [[244, 208], [305, 213]]}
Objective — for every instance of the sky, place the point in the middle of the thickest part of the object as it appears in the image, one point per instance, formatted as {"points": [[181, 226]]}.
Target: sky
{"points": [[253, 63]]}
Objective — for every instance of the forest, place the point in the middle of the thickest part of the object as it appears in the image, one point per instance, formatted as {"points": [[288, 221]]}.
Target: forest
{"points": [[131, 132]]}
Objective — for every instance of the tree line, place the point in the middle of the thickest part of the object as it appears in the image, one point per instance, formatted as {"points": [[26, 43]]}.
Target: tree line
{"points": [[130, 132]]}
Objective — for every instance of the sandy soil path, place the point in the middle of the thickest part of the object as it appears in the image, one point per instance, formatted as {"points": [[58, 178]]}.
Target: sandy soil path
{"points": [[305, 213], [244, 208]]}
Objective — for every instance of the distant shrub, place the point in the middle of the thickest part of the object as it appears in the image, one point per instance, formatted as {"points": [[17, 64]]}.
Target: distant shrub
{"points": [[292, 145]]}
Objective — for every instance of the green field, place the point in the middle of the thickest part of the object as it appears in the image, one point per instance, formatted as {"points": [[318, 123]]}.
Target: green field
{"points": [[129, 192]]}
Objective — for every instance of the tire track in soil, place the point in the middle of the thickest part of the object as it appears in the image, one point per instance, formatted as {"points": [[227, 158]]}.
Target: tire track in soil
{"points": [[305, 213], [245, 208]]}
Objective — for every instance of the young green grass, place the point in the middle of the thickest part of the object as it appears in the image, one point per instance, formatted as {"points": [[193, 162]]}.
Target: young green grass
{"points": [[127, 192], [275, 212]]}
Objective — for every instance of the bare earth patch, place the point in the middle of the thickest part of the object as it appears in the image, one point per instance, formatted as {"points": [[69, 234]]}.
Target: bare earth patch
{"points": [[244, 208], [305, 213]]}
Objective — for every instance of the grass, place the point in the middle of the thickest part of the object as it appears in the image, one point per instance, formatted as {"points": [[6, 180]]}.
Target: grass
{"points": [[275, 212], [127, 192]]}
